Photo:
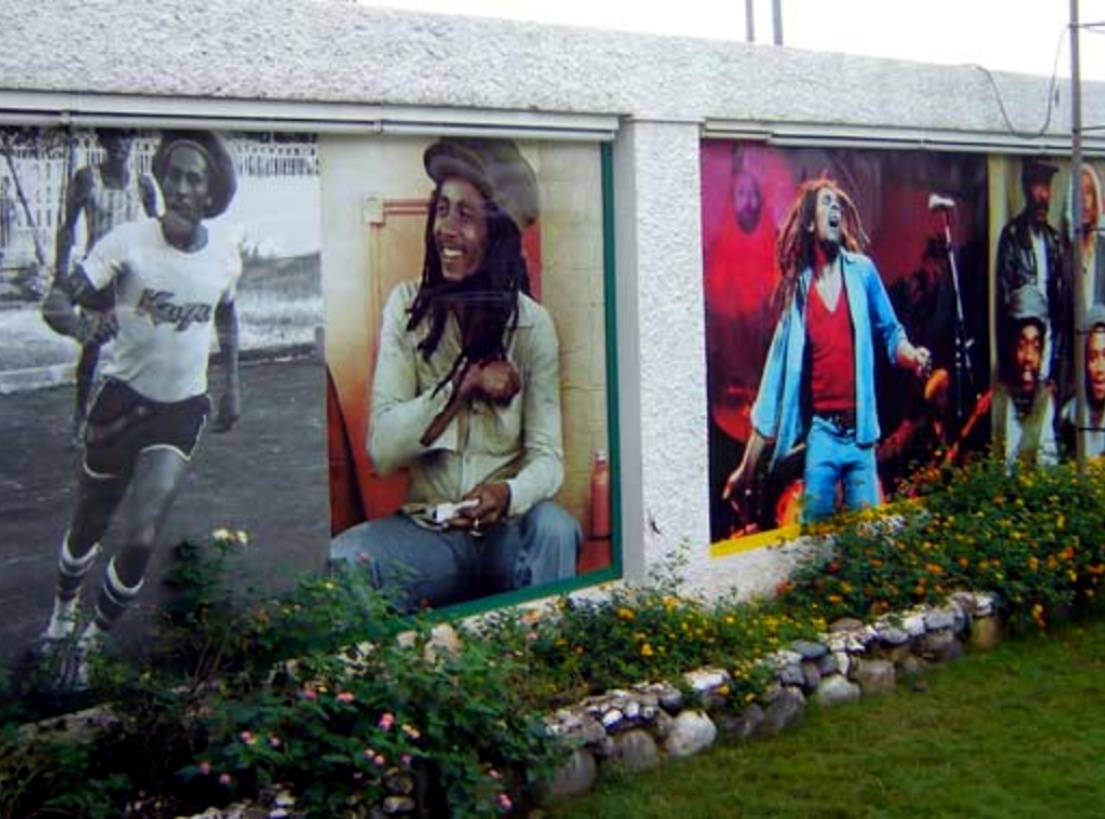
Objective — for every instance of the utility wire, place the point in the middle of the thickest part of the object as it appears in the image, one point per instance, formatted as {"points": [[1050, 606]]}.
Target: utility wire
{"points": [[1051, 95]]}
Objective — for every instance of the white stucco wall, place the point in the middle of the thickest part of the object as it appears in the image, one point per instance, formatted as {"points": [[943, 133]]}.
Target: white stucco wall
{"points": [[135, 56]]}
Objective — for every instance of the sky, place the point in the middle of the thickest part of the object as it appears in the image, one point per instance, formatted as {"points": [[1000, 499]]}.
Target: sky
{"points": [[1002, 35]]}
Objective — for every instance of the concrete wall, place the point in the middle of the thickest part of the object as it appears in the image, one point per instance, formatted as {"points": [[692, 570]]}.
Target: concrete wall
{"points": [[326, 56]]}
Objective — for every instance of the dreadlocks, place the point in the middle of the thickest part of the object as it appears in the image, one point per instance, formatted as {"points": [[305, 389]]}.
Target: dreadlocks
{"points": [[794, 251], [492, 290]]}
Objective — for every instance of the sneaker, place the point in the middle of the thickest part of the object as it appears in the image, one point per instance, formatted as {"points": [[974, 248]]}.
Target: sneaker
{"points": [[74, 676]]}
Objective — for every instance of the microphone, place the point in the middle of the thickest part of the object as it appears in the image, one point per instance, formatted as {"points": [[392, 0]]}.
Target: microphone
{"points": [[938, 202]]}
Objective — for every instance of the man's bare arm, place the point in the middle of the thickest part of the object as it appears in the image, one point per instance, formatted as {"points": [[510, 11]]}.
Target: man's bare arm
{"points": [[60, 313]]}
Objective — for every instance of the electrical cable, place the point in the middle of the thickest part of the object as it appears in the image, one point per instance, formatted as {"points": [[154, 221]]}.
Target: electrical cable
{"points": [[1051, 95]]}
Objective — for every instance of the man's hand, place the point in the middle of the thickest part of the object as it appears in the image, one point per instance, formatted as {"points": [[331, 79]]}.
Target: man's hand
{"points": [[497, 381], [917, 359], [740, 479], [493, 505], [230, 409]]}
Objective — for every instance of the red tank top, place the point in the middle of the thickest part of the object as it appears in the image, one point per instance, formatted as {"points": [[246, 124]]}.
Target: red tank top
{"points": [[832, 355]]}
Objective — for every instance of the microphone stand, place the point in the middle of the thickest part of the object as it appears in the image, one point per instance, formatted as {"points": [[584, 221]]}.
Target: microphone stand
{"points": [[964, 367]]}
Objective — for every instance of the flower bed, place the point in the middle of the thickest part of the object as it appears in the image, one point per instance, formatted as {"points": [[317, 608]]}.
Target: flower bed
{"points": [[525, 705]]}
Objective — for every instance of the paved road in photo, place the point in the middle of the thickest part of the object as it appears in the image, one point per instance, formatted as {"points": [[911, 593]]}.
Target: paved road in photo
{"points": [[268, 476]]}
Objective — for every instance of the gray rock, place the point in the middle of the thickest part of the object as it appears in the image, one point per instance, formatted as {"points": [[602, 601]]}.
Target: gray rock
{"points": [[772, 690], [672, 700], [632, 710], [893, 636], [844, 624], [662, 724], [811, 676], [844, 662], [786, 711], [612, 718], [828, 664], [790, 675], [962, 619], [836, 690], [575, 776], [590, 730], [985, 633], [577, 724], [875, 676], [635, 751], [784, 657], [914, 625], [809, 649], [940, 647], [707, 679], [606, 748], [938, 619], [692, 732], [747, 725]]}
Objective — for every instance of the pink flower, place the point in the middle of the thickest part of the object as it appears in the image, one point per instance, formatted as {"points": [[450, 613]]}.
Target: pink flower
{"points": [[205, 767], [375, 758], [387, 721], [274, 741], [504, 802], [357, 776], [494, 774], [346, 697], [405, 759], [225, 779], [248, 738], [309, 694]]}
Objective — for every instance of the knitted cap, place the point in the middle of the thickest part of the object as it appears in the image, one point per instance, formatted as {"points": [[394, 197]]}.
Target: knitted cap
{"points": [[222, 181], [496, 167]]}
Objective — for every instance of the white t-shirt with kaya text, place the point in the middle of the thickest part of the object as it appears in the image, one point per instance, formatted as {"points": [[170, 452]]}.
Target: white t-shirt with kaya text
{"points": [[165, 301]]}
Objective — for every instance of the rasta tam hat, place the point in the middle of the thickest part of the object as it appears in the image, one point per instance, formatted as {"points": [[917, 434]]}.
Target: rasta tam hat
{"points": [[222, 180], [1027, 304], [496, 167], [1095, 318], [1035, 170]]}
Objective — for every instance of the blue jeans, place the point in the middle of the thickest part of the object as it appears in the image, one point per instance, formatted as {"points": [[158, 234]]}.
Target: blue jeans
{"points": [[833, 459], [419, 566]]}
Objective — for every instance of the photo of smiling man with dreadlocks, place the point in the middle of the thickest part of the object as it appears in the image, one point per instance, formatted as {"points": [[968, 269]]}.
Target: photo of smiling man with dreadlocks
{"points": [[818, 385], [466, 399]]}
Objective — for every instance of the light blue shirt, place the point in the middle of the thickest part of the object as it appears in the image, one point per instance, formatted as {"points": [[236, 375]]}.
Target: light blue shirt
{"points": [[777, 414]]}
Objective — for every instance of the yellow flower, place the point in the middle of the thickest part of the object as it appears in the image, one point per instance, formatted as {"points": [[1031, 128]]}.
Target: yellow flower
{"points": [[646, 650]]}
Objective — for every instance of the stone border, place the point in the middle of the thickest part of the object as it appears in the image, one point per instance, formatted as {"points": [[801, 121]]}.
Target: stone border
{"points": [[638, 728]]}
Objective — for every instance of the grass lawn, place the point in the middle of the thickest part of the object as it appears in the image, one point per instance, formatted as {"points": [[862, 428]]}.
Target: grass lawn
{"points": [[1020, 732]]}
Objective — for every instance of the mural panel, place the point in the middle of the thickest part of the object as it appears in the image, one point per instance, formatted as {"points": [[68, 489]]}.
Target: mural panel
{"points": [[466, 346], [1037, 312], [160, 301], [846, 316]]}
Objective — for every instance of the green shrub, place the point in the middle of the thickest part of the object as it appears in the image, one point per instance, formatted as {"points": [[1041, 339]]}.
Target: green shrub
{"points": [[1033, 537]]}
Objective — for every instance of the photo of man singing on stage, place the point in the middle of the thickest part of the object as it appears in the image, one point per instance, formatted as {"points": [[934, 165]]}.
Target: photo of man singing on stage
{"points": [[877, 336]]}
